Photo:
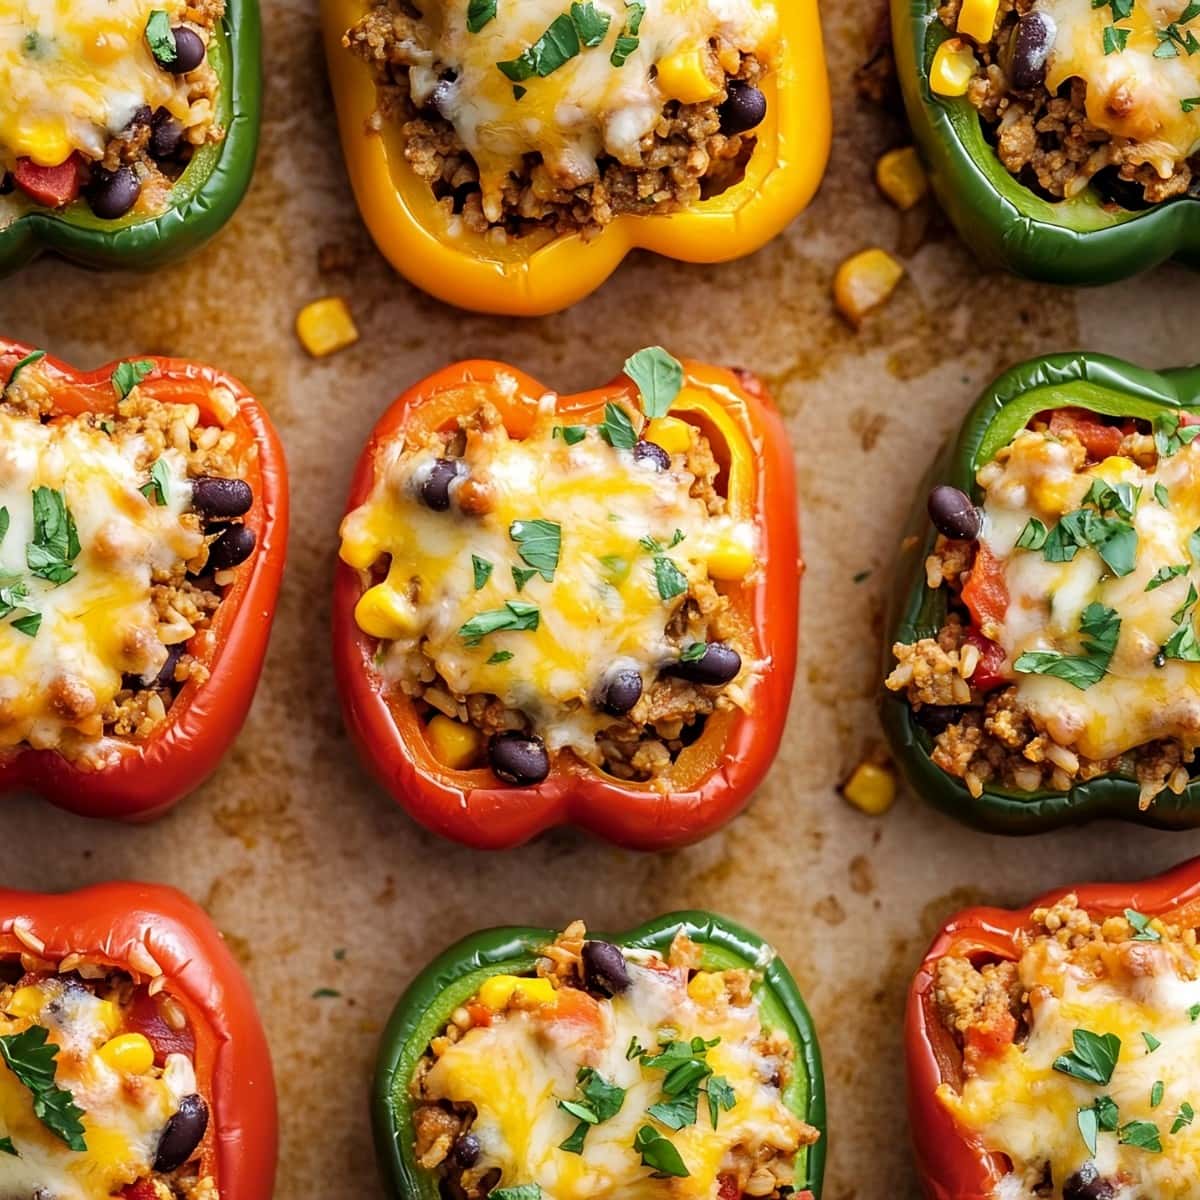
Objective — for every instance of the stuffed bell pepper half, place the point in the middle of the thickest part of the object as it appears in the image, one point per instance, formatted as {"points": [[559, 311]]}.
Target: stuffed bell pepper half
{"points": [[132, 1061], [1061, 135], [676, 1060], [574, 608], [1043, 664], [143, 523], [1052, 1051], [128, 128], [506, 157]]}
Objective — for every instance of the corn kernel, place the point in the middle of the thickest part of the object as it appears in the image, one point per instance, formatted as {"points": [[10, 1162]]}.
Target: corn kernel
{"points": [[871, 789], [682, 77], [106, 48], [1115, 469], [706, 987], [358, 549], [864, 281], [497, 992], [326, 326], [107, 1014], [977, 19], [731, 560], [384, 613], [26, 1002], [901, 178], [46, 144], [672, 434], [456, 745], [954, 65], [129, 1053]]}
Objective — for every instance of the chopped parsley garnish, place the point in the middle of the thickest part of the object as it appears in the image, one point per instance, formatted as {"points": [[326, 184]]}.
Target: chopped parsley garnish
{"points": [[4, 521], [1141, 925], [481, 569], [159, 37], [7, 1147], [521, 576], [1121, 499], [591, 24], [1033, 536], [694, 653], [635, 1049], [571, 434], [1170, 436], [1182, 645], [1162, 496], [617, 428], [1112, 537], [31, 1058], [720, 1096], [1114, 39], [1141, 1134], [563, 41], [1156, 1093], [1193, 1012], [538, 543], [55, 544], [1187, 1114], [479, 14], [670, 579], [516, 615], [658, 1153], [1190, 103], [129, 374], [1099, 627], [1165, 575], [598, 1101], [686, 1069], [1102, 1115], [1152, 1043], [159, 487], [526, 1191], [501, 656], [659, 378], [1093, 1059], [28, 361], [627, 40]]}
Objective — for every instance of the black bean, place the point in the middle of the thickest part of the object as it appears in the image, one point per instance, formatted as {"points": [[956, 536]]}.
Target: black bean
{"points": [[745, 107], [953, 514], [189, 51], [465, 1151], [441, 99], [651, 452], [1031, 45], [715, 667], [937, 717], [235, 545], [166, 136], [113, 193], [215, 496], [165, 679], [1088, 1184], [7, 183], [435, 491], [604, 969], [143, 116], [623, 691], [182, 1135], [518, 759]]}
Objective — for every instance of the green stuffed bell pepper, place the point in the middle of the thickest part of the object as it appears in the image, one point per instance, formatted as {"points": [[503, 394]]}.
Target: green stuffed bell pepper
{"points": [[1042, 664], [674, 1060], [145, 134], [1087, 206]]}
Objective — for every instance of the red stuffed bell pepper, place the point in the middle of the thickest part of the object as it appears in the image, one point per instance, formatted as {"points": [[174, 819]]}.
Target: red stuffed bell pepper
{"points": [[1053, 1049], [132, 1061], [571, 609], [143, 525]]}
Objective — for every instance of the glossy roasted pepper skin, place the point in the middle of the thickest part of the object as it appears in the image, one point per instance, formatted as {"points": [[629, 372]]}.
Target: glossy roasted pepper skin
{"points": [[539, 277], [456, 975], [713, 778], [952, 1165], [1076, 242], [142, 928], [203, 198], [1091, 382], [154, 773]]}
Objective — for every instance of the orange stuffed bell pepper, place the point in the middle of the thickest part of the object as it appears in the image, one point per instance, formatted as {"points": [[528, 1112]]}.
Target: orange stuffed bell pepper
{"points": [[143, 526], [571, 609], [507, 157], [1054, 1047], [132, 1061]]}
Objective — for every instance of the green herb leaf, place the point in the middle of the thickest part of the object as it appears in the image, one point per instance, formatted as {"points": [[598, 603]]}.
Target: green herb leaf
{"points": [[55, 544], [501, 656], [573, 434], [1033, 536], [617, 428], [7, 1147], [599, 1101], [693, 653], [1152, 1043], [29, 624], [159, 37], [1187, 1114], [526, 1191], [659, 378], [129, 374], [658, 1153], [591, 25], [1190, 103], [481, 569], [670, 579], [1141, 1134], [679, 1112], [627, 41], [635, 1049], [479, 14], [326, 993], [1100, 628], [4, 521], [556, 47], [1170, 436], [1162, 496], [28, 361], [1141, 925], [516, 615], [539, 544], [1089, 1127], [1193, 1012], [1114, 39], [1113, 538], [573, 1143], [159, 487], [1165, 575], [32, 1059], [521, 576], [1094, 1057], [720, 1096], [1156, 1093]]}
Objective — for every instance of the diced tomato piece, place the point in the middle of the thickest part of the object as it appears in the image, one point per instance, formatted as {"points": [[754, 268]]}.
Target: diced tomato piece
{"points": [[50, 186], [989, 1040], [142, 1190], [986, 591], [990, 672], [1099, 440], [729, 1189], [576, 1021], [144, 1016], [1189, 418], [480, 1014]]}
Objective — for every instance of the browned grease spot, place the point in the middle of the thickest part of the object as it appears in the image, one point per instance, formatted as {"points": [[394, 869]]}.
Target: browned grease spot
{"points": [[862, 877], [829, 909], [868, 426]]}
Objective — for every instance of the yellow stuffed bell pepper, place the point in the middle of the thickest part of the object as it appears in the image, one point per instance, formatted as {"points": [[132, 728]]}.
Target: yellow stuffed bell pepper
{"points": [[540, 271]]}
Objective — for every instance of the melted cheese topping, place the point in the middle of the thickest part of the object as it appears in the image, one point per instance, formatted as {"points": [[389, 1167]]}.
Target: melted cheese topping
{"points": [[1135, 702], [74, 72], [587, 107], [603, 607], [1130, 93], [101, 624], [515, 1070], [1020, 1106], [124, 1114]]}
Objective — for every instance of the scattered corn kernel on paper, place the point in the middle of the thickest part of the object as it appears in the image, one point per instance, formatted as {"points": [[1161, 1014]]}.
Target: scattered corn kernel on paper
{"points": [[320, 884]]}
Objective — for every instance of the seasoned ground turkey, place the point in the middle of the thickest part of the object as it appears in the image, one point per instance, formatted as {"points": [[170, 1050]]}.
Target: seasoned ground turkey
{"points": [[687, 158], [1046, 139]]}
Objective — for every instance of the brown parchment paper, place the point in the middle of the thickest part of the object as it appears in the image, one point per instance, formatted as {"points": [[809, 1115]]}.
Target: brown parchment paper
{"points": [[297, 854]]}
